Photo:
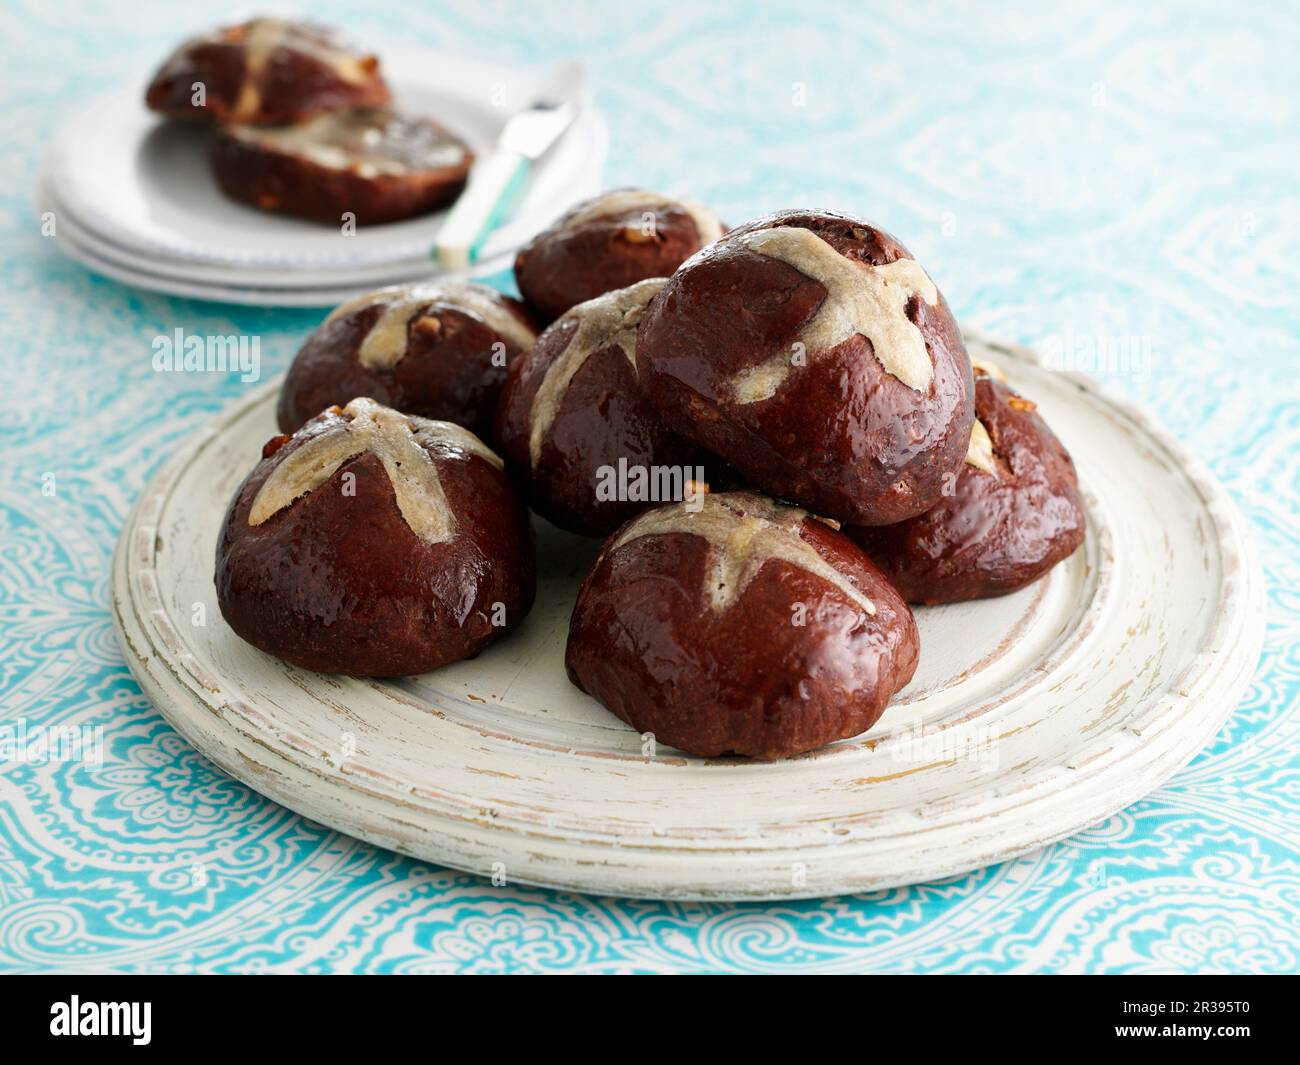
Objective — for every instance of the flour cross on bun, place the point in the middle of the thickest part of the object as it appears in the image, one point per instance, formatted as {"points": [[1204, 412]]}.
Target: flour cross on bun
{"points": [[611, 319], [745, 530], [266, 71], [624, 201], [399, 442], [386, 343], [263, 37], [860, 298]]}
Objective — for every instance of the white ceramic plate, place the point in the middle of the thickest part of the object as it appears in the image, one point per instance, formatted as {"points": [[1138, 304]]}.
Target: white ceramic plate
{"points": [[1030, 717], [145, 185], [160, 280], [263, 286], [110, 261]]}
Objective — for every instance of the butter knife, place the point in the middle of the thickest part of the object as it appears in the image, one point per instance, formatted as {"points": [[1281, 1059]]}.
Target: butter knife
{"points": [[497, 179]]}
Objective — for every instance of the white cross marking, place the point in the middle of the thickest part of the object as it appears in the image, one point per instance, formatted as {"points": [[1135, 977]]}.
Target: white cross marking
{"points": [[385, 345], [744, 531], [397, 441], [860, 298], [608, 319]]}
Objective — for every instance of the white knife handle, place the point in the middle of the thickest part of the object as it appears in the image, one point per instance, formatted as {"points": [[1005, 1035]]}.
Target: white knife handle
{"points": [[494, 186]]}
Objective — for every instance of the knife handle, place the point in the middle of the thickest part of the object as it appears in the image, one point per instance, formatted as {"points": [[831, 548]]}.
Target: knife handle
{"points": [[494, 187]]}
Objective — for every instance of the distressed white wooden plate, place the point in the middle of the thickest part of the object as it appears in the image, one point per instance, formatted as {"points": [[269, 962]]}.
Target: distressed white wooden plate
{"points": [[1031, 716]]}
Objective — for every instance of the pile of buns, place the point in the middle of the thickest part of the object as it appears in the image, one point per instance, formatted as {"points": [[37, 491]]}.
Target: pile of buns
{"points": [[304, 125], [795, 389]]}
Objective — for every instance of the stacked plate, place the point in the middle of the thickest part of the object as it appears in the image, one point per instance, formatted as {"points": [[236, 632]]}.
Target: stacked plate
{"points": [[134, 197]]}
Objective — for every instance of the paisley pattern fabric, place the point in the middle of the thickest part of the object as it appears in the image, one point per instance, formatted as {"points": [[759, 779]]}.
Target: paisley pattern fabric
{"points": [[1117, 189]]}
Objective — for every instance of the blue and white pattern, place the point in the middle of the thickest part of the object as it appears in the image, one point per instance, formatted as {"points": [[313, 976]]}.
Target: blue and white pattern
{"points": [[1117, 187]]}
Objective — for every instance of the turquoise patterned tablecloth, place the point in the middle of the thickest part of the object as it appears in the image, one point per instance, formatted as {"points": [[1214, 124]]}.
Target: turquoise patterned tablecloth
{"points": [[1120, 181]]}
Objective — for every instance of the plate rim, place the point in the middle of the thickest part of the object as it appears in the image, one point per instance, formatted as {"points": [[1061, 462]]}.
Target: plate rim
{"points": [[74, 247], [1212, 680]]}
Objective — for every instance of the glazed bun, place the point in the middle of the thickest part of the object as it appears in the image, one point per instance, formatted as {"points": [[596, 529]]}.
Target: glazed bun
{"points": [[816, 356], [438, 350], [575, 428], [1013, 511], [371, 164], [372, 543], [266, 70], [610, 242], [741, 626]]}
